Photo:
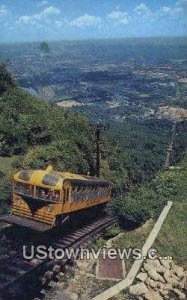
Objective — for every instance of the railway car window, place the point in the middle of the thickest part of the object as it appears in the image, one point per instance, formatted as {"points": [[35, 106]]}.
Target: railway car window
{"points": [[74, 191], [42, 193], [94, 193], [82, 194], [50, 179], [88, 193], [25, 175], [23, 188], [78, 194], [79, 188], [47, 194], [54, 195]]}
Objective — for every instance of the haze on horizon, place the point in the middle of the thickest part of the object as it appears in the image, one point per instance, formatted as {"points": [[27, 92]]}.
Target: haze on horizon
{"points": [[35, 20]]}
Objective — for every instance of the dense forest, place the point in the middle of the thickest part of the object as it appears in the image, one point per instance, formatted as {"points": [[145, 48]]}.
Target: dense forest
{"points": [[34, 134]]}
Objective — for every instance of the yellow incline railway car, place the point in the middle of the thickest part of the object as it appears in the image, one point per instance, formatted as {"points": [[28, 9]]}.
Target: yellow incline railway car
{"points": [[45, 198]]}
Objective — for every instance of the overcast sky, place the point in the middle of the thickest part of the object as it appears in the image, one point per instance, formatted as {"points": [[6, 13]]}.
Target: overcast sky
{"points": [[32, 20]]}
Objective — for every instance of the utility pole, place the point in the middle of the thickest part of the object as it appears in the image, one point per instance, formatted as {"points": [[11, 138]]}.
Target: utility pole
{"points": [[99, 128]]}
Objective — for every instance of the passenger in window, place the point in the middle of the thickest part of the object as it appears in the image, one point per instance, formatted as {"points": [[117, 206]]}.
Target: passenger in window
{"points": [[48, 194], [28, 190], [57, 196], [52, 194], [42, 193]]}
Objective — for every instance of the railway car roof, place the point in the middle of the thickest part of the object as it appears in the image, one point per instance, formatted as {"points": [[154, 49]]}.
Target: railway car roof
{"points": [[50, 178]]}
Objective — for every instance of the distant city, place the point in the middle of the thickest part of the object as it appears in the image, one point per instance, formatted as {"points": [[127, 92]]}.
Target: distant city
{"points": [[105, 79]]}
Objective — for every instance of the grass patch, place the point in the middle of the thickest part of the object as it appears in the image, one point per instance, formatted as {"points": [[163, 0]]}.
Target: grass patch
{"points": [[112, 232], [134, 239], [172, 239], [98, 244]]}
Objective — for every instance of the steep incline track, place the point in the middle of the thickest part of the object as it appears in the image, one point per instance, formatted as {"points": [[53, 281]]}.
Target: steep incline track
{"points": [[20, 277]]}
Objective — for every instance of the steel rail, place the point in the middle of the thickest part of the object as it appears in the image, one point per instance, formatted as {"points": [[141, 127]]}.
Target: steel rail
{"points": [[17, 273]]}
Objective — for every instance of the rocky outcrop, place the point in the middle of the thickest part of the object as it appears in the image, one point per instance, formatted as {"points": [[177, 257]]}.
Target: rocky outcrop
{"points": [[159, 279], [152, 295], [138, 289], [142, 276]]}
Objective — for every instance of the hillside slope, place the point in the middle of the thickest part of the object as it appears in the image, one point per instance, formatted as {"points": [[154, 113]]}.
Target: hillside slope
{"points": [[34, 134], [172, 239], [146, 204], [43, 134]]}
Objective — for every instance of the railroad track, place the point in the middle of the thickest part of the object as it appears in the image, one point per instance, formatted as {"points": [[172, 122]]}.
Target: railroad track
{"points": [[22, 278]]}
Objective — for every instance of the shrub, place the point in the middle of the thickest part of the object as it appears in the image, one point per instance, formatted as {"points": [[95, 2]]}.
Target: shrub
{"points": [[144, 203], [111, 232]]}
